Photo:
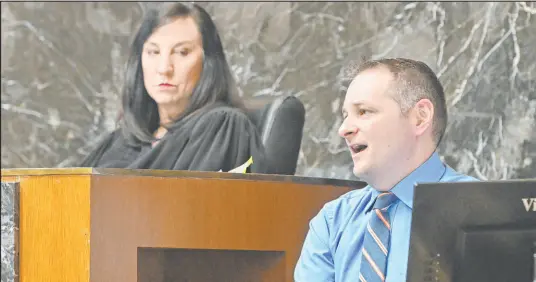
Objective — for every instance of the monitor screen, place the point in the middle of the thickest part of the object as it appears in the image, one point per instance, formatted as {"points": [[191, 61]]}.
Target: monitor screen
{"points": [[473, 231]]}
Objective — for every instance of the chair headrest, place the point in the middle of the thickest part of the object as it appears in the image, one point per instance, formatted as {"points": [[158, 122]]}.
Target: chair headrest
{"points": [[280, 122]]}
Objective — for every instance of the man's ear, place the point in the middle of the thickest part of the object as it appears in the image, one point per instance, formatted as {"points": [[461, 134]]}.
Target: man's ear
{"points": [[423, 113]]}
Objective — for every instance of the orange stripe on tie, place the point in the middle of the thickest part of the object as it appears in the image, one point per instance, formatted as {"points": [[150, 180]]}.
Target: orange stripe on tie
{"points": [[380, 215], [383, 194], [374, 266], [361, 278], [375, 237]]}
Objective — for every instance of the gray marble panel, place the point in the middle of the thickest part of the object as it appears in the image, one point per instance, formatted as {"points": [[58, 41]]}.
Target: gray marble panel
{"points": [[62, 63], [9, 217]]}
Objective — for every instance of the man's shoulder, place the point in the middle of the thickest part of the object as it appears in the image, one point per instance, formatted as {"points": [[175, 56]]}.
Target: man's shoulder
{"points": [[452, 175], [348, 201]]}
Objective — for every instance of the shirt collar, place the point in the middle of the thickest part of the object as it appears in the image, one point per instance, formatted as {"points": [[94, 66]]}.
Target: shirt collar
{"points": [[430, 171]]}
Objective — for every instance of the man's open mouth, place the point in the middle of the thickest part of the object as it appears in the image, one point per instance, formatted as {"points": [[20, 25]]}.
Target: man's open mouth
{"points": [[358, 148]]}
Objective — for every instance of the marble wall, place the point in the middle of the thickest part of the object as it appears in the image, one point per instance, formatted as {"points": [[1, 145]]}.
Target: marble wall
{"points": [[10, 224], [62, 70]]}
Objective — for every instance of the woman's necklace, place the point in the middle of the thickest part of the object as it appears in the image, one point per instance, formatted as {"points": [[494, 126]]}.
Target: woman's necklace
{"points": [[159, 134]]}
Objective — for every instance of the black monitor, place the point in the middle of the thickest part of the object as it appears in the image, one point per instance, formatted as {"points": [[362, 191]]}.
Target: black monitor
{"points": [[473, 231]]}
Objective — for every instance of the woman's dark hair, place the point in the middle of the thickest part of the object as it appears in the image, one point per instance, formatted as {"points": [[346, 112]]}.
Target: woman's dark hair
{"points": [[140, 116]]}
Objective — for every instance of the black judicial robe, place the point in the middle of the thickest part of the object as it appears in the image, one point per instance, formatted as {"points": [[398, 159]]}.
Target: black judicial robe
{"points": [[218, 138]]}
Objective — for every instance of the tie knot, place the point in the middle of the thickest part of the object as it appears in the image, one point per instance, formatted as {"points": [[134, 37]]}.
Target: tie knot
{"points": [[384, 200]]}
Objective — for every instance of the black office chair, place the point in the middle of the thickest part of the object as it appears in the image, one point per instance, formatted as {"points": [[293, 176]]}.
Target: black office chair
{"points": [[280, 123]]}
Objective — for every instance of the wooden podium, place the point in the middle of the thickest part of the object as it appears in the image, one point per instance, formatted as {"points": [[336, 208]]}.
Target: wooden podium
{"points": [[101, 225]]}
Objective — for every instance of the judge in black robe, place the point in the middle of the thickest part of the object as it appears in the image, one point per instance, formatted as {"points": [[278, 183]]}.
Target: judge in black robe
{"points": [[220, 138], [209, 130]]}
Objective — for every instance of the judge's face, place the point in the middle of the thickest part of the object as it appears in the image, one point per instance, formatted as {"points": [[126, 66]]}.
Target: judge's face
{"points": [[379, 137], [172, 62]]}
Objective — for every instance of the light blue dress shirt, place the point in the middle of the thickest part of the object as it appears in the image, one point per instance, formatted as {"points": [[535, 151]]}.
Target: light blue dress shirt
{"points": [[332, 248]]}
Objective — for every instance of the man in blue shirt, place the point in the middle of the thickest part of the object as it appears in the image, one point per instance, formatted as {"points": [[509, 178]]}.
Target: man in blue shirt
{"points": [[394, 118]]}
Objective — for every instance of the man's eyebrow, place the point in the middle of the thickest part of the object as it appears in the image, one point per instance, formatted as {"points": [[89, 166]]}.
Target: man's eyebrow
{"points": [[357, 104]]}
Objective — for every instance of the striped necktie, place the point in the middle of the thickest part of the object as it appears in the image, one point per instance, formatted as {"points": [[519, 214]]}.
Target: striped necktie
{"points": [[377, 240]]}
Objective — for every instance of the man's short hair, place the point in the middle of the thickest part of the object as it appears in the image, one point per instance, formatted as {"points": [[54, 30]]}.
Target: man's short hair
{"points": [[413, 81]]}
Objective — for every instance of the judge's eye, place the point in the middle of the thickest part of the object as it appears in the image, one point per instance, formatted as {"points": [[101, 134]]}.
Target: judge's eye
{"points": [[183, 52], [362, 112]]}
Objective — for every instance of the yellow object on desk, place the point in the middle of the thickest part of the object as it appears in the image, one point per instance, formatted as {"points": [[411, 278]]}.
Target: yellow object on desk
{"points": [[243, 168]]}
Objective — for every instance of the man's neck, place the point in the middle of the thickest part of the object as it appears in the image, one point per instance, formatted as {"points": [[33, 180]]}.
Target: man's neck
{"points": [[390, 178]]}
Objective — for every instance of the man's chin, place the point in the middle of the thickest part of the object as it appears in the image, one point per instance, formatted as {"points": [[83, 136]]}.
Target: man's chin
{"points": [[360, 171]]}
